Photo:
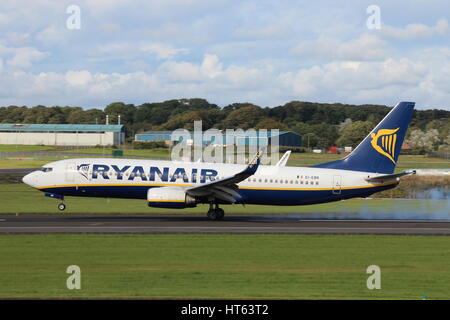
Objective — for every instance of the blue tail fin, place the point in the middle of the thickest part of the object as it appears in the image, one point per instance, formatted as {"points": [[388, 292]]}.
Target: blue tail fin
{"points": [[379, 151]]}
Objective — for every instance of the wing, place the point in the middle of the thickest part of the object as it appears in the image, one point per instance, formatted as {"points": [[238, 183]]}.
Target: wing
{"points": [[225, 189], [389, 176]]}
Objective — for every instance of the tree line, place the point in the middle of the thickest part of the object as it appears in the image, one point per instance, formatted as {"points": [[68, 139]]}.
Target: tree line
{"points": [[321, 124]]}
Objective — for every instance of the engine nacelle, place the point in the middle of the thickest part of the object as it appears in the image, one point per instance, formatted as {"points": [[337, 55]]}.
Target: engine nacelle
{"points": [[169, 197]]}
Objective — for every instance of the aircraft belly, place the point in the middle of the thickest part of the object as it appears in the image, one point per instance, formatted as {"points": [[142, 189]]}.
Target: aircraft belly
{"points": [[249, 196], [304, 197]]}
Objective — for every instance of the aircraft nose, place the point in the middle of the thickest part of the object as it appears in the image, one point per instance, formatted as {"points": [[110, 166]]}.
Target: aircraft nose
{"points": [[28, 179]]}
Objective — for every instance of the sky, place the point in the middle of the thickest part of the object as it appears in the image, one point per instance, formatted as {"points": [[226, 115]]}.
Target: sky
{"points": [[91, 53]]}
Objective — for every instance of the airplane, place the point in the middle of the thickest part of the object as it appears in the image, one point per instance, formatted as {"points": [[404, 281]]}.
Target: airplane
{"points": [[368, 169]]}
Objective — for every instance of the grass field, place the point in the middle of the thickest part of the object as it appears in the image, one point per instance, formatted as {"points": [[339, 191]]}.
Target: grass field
{"points": [[159, 153], [224, 266], [23, 148], [21, 199]]}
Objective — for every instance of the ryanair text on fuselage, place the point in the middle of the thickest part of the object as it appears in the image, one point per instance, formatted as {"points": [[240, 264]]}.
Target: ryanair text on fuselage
{"points": [[164, 174]]}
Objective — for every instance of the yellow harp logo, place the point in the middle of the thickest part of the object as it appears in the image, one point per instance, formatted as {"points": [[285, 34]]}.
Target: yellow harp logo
{"points": [[387, 141]]}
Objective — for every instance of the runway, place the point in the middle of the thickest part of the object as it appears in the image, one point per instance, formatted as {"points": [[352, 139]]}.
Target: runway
{"points": [[191, 224]]}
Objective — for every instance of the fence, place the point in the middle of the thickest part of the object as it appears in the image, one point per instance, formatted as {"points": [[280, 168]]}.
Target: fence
{"points": [[443, 155]]}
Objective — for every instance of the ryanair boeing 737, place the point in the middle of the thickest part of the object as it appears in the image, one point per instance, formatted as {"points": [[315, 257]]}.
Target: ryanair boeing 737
{"points": [[165, 184]]}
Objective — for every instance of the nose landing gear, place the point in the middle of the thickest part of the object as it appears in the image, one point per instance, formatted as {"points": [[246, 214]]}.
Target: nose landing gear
{"points": [[215, 213], [61, 206]]}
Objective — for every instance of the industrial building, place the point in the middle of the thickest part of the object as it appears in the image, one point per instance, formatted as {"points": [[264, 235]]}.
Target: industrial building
{"points": [[236, 137], [62, 134]]}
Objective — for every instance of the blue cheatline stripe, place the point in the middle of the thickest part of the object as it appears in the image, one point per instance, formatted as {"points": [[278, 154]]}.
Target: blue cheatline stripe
{"points": [[249, 196]]}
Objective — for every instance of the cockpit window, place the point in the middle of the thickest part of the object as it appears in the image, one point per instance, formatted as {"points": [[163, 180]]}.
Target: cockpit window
{"points": [[46, 169]]}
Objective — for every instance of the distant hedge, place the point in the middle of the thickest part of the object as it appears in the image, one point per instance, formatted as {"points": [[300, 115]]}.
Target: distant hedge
{"points": [[149, 145]]}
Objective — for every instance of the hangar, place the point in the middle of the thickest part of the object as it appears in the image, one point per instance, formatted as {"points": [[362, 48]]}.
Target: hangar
{"points": [[62, 134]]}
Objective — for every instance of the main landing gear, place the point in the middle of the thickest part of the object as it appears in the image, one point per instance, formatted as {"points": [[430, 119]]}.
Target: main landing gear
{"points": [[215, 213], [61, 206]]}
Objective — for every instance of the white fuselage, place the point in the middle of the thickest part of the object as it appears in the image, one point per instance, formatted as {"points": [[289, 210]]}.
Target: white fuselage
{"points": [[131, 178]]}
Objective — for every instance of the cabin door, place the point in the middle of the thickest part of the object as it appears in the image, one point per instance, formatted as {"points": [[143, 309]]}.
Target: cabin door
{"points": [[70, 172], [337, 184]]}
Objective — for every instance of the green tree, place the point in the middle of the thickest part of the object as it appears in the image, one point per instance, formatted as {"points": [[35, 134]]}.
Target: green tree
{"points": [[243, 118], [186, 121], [126, 112], [428, 140], [269, 123], [353, 134]]}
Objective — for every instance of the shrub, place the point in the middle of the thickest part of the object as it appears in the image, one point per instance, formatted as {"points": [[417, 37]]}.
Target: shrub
{"points": [[149, 145]]}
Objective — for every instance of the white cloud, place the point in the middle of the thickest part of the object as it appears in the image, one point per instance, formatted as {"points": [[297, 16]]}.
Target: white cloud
{"points": [[343, 76], [211, 71], [416, 30], [365, 47], [21, 57], [356, 81], [78, 78], [162, 51], [52, 35], [130, 50]]}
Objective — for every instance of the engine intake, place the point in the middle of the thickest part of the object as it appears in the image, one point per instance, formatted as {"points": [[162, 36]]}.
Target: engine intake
{"points": [[169, 197]]}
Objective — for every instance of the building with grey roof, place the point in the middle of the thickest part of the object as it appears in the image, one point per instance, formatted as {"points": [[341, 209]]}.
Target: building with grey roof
{"points": [[62, 134]]}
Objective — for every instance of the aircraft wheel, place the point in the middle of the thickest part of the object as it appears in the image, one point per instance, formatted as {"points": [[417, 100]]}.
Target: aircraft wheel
{"points": [[61, 206], [220, 214], [212, 214]]}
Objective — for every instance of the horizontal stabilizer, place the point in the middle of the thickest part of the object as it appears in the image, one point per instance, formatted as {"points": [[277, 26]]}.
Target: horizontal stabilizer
{"points": [[383, 177]]}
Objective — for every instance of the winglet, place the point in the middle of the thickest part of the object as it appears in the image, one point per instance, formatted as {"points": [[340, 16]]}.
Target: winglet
{"points": [[284, 159], [254, 163]]}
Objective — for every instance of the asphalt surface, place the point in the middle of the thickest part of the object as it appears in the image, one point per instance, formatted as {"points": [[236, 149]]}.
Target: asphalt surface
{"points": [[16, 171], [176, 224]]}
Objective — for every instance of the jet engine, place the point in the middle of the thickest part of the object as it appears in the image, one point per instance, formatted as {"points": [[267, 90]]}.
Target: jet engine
{"points": [[170, 197]]}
